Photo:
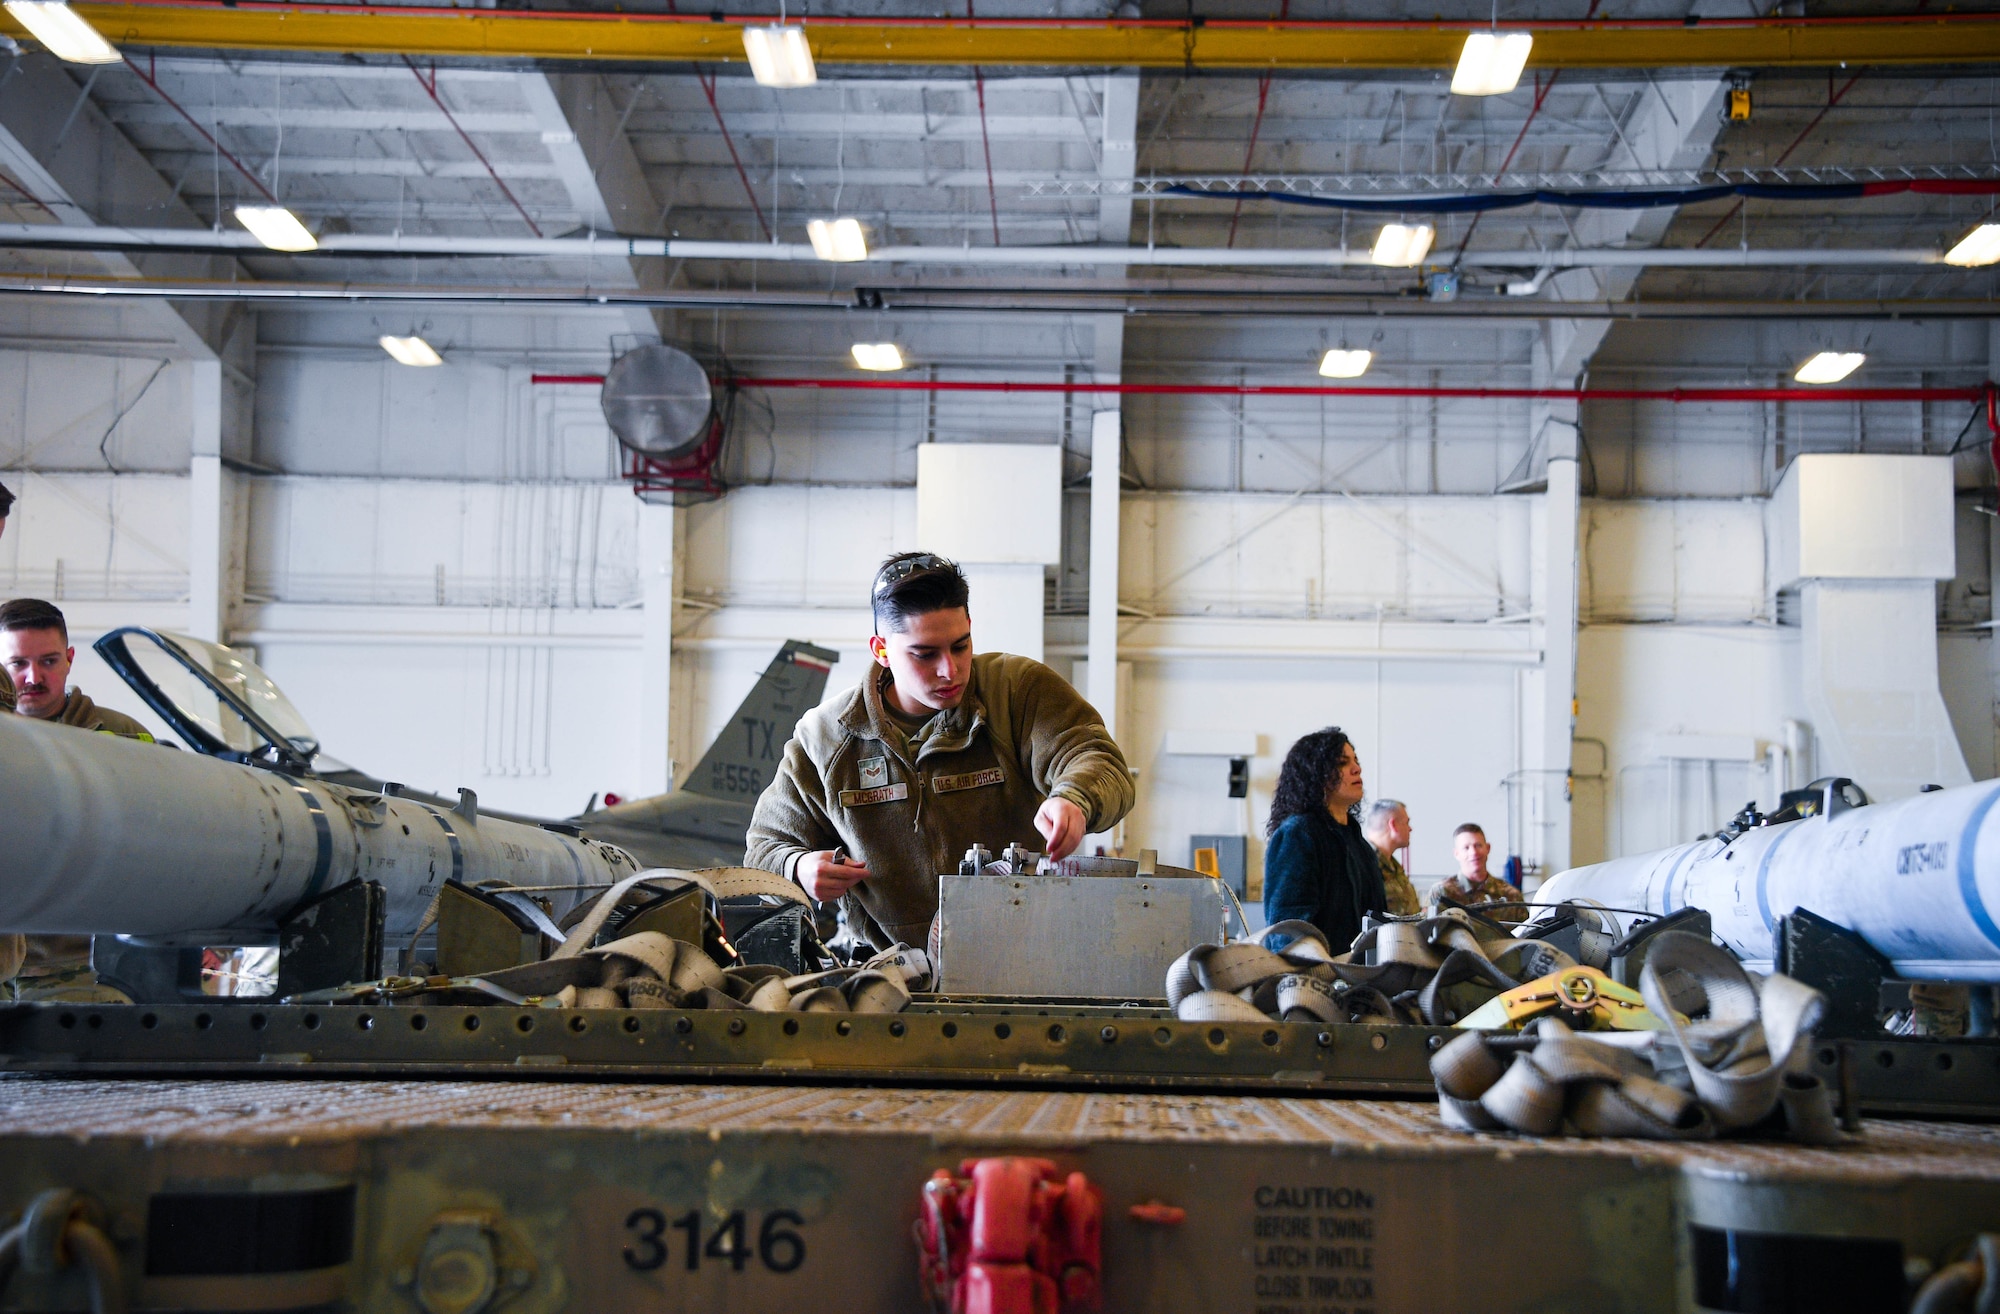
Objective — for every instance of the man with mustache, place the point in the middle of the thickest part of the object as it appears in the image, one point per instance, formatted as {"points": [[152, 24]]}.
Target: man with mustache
{"points": [[36, 655], [883, 789]]}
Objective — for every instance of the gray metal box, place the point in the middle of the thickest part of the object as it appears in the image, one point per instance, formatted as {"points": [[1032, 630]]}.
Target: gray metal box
{"points": [[1109, 937]]}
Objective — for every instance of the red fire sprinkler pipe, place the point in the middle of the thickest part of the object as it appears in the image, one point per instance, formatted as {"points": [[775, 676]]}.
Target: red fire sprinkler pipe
{"points": [[1984, 392], [1993, 425]]}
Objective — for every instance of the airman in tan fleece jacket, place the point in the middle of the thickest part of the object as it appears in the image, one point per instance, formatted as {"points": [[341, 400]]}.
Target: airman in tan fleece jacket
{"points": [[909, 804]]}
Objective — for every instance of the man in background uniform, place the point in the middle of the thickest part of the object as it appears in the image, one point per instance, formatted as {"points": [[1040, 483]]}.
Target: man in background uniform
{"points": [[1474, 884], [1386, 823], [36, 656], [883, 789]]}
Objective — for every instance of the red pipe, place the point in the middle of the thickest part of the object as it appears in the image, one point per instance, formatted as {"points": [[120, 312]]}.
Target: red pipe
{"points": [[1984, 392], [431, 89], [150, 78], [1993, 425], [708, 89]]}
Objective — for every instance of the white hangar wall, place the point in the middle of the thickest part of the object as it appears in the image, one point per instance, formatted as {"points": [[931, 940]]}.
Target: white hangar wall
{"points": [[444, 570]]}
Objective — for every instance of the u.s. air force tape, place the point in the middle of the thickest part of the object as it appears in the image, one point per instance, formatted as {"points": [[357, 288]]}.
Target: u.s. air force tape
{"points": [[969, 780], [861, 798]]}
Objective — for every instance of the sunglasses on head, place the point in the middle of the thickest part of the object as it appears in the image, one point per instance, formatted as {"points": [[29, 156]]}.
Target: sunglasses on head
{"points": [[897, 571]]}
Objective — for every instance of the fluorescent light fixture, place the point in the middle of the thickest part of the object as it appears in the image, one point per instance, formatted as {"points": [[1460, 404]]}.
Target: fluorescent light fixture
{"points": [[1402, 245], [878, 356], [276, 227], [412, 350], [779, 56], [63, 31], [1491, 63], [1981, 246], [1340, 363], [1830, 367], [838, 239]]}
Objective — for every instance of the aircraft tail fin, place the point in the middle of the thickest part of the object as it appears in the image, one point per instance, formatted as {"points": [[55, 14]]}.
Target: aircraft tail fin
{"points": [[745, 755]]}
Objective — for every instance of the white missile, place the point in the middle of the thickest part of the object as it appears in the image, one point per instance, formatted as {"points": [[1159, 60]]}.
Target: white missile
{"points": [[1918, 879], [101, 835]]}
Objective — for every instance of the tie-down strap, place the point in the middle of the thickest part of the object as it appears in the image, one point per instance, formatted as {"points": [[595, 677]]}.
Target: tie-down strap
{"points": [[1725, 1071]]}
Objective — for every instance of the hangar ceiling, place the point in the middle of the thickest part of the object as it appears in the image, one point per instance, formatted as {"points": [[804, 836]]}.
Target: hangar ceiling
{"points": [[944, 158]]}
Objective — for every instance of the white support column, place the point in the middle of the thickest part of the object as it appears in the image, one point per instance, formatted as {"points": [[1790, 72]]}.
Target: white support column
{"points": [[211, 510], [1548, 785], [1117, 167], [1673, 127], [656, 646], [1106, 443]]}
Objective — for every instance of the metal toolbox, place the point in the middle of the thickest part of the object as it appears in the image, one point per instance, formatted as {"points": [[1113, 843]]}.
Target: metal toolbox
{"points": [[1109, 936]]}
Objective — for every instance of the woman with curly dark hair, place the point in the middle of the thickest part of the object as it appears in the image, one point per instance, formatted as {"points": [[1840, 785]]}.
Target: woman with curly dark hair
{"points": [[1318, 867]]}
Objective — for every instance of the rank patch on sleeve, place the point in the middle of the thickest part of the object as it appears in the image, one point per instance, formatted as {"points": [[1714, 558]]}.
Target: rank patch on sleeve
{"points": [[970, 780], [861, 798]]}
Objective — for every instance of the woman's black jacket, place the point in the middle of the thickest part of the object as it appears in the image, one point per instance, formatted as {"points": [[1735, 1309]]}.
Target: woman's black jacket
{"points": [[1320, 871]]}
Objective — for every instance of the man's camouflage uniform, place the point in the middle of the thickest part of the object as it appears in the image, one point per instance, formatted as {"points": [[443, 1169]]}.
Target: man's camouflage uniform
{"points": [[908, 805], [79, 711], [1403, 901], [1490, 889], [56, 968], [1937, 1008]]}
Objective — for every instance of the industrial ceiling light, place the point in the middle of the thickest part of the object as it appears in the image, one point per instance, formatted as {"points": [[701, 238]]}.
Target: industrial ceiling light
{"points": [[1341, 363], [1402, 245], [1830, 366], [65, 32], [880, 356], [1490, 63], [412, 350], [276, 227], [779, 56], [838, 239], [1981, 246]]}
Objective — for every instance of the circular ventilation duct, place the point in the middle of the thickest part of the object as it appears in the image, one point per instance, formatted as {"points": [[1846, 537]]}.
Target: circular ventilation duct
{"points": [[658, 401]]}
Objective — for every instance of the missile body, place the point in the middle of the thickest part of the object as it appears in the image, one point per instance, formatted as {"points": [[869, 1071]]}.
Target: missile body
{"points": [[1918, 879], [101, 835]]}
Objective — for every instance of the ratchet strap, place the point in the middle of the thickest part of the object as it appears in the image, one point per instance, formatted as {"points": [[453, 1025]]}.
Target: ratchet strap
{"points": [[719, 882], [653, 970], [1431, 970], [1729, 1070]]}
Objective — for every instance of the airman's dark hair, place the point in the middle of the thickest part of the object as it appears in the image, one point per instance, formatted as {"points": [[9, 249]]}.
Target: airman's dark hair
{"points": [[1469, 828], [32, 614], [6, 501], [915, 584], [1310, 767]]}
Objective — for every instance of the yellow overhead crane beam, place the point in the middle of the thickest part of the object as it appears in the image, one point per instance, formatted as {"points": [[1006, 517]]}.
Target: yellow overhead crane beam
{"points": [[1946, 38]]}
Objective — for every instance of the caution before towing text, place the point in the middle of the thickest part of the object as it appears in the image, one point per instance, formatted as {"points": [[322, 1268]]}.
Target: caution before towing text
{"points": [[1313, 1250]]}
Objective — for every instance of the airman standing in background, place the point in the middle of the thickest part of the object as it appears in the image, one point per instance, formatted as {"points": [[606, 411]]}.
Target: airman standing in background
{"points": [[1475, 885], [1386, 823]]}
